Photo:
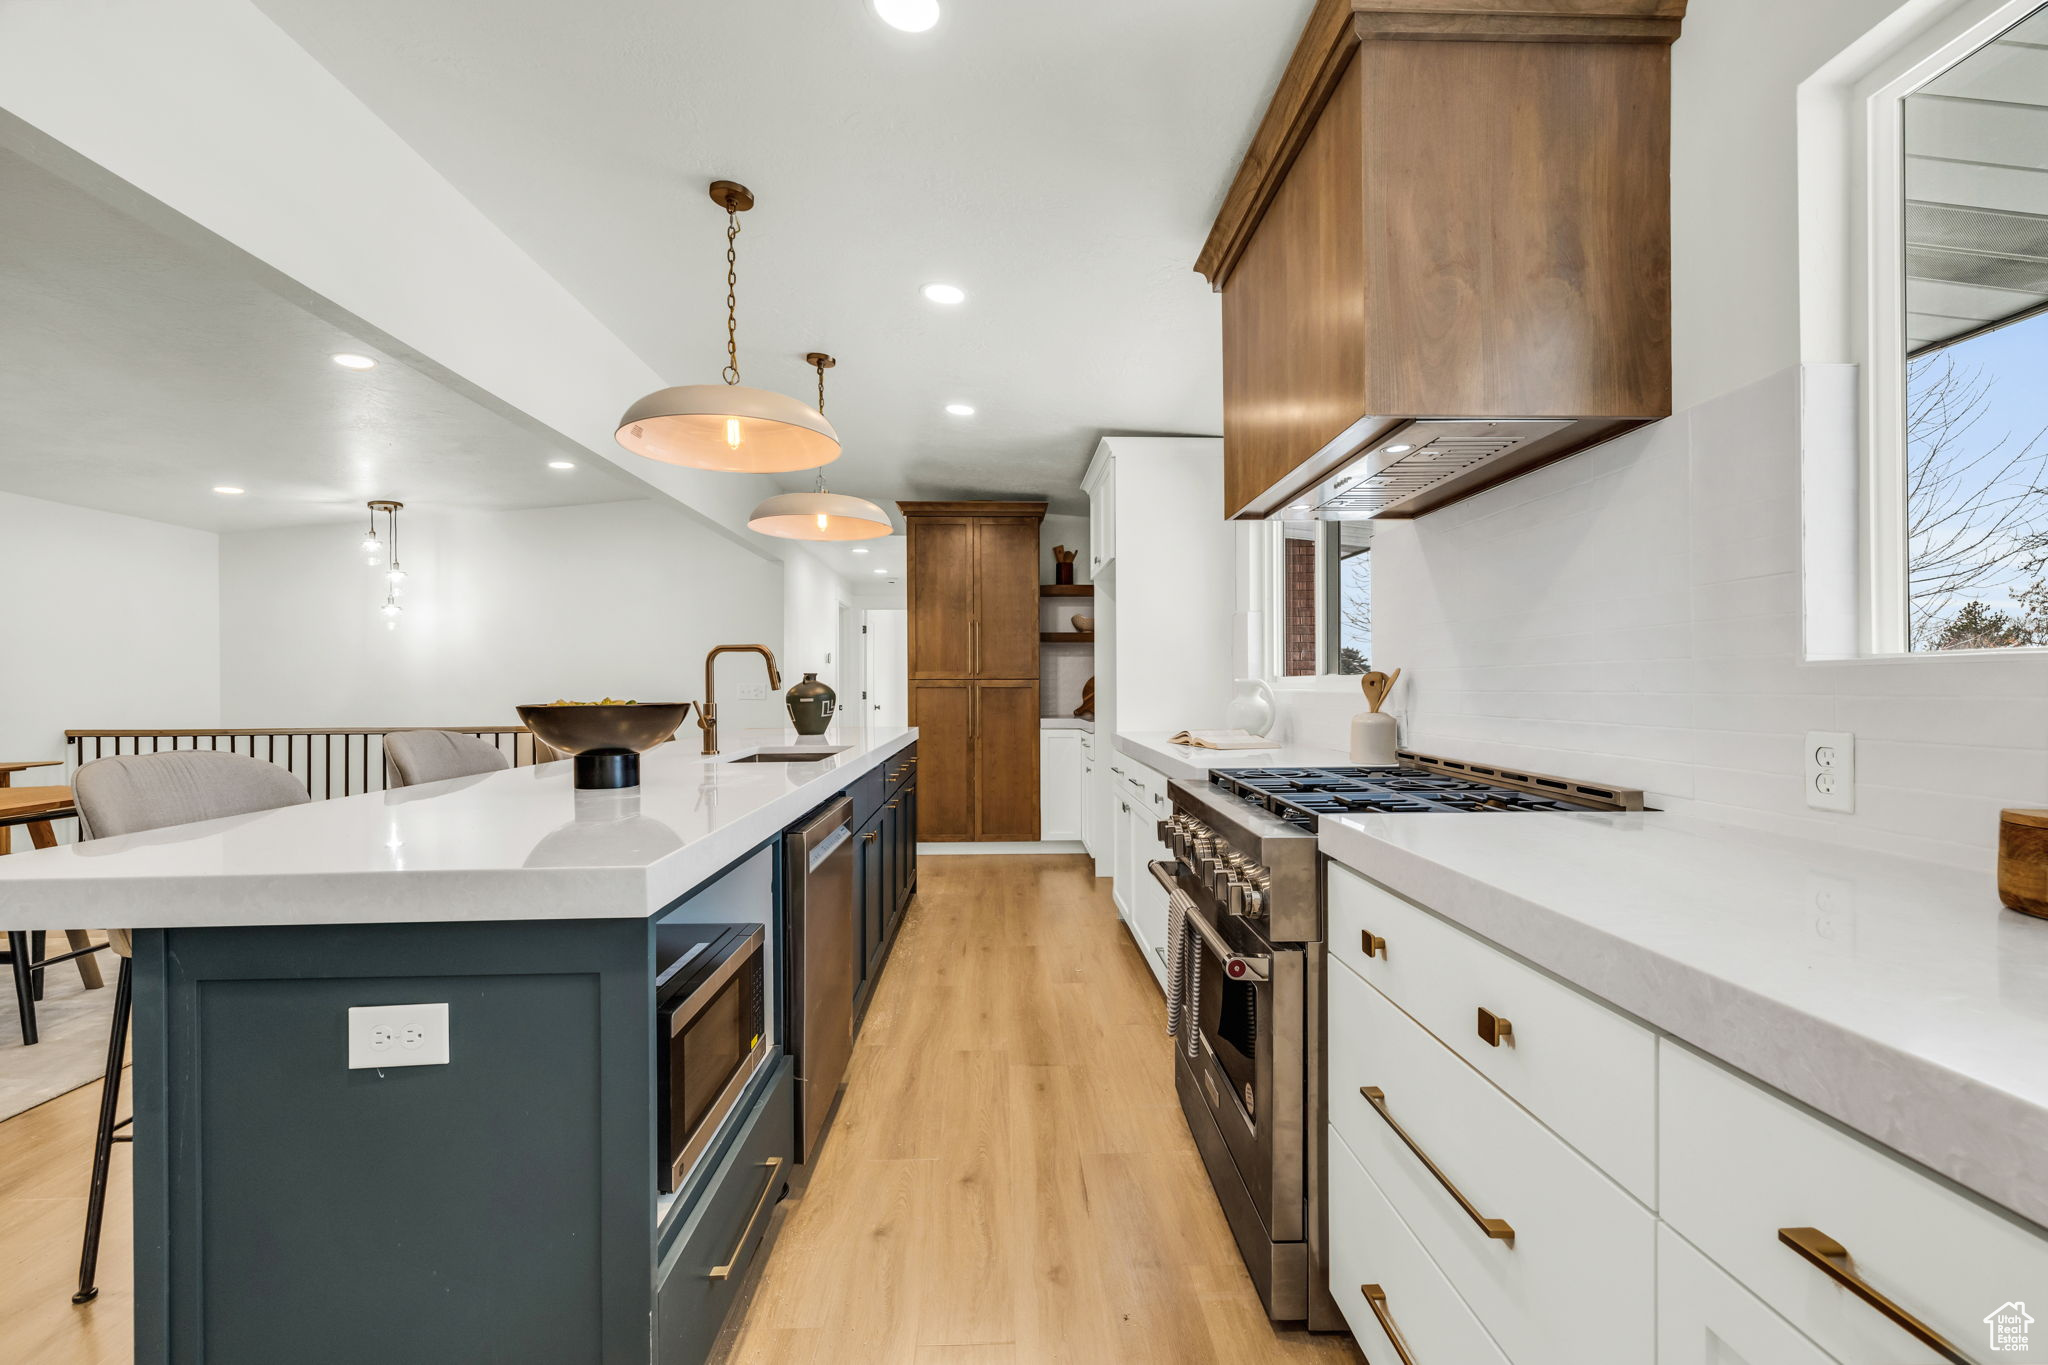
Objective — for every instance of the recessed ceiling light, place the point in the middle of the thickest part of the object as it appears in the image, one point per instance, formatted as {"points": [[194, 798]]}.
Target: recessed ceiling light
{"points": [[960, 409], [561, 464], [912, 16], [860, 550], [881, 571], [947, 294], [228, 488], [348, 360]]}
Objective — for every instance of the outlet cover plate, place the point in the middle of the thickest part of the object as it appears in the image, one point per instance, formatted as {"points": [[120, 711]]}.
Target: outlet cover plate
{"points": [[384, 1036], [1831, 770]]}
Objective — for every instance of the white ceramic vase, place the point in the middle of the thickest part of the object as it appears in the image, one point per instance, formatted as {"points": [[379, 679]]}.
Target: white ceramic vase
{"points": [[1252, 708]]}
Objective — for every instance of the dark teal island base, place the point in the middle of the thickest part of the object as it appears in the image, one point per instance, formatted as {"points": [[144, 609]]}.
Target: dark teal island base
{"points": [[499, 1209]]}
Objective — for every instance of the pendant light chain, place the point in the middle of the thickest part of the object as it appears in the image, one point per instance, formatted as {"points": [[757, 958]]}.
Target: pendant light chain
{"points": [[820, 364], [732, 257]]}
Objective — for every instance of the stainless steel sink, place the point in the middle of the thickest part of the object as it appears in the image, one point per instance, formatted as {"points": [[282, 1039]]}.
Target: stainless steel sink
{"points": [[808, 756]]}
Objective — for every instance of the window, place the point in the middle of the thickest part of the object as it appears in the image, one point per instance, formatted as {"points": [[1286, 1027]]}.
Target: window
{"points": [[1322, 604], [1924, 322], [1974, 147]]}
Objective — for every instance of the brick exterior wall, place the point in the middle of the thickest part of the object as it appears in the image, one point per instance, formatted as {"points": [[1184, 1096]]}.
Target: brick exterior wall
{"points": [[1300, 567]]}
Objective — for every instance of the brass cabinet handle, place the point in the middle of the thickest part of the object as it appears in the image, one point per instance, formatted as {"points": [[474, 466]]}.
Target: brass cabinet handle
{"points": [[1492, 1227], [1832, 1260], [890, 806], [1372, 945], [872, 835], [1376, 1299], [774, 1167], [974, 647], [1495, 1029]]}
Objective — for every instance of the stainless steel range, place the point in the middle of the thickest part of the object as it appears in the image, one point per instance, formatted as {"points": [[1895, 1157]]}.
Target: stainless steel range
{"points": [[1245, 982]]}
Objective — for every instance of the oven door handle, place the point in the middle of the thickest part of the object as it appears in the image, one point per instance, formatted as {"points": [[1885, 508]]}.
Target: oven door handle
{"points": [[1236, 965]]}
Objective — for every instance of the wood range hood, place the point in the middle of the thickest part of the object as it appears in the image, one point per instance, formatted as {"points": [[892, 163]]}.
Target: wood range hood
{"points": [[1446, 257]]}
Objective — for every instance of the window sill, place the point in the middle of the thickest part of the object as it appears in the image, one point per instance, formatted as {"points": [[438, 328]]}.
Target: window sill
{"points": [[1328, 682]]}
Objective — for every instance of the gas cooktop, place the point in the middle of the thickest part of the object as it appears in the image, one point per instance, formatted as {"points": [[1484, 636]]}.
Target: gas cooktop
{"points": [[1301, 796]]}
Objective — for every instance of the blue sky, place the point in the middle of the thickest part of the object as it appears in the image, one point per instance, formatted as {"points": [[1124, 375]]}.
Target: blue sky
{"points": [[2012, 364]]}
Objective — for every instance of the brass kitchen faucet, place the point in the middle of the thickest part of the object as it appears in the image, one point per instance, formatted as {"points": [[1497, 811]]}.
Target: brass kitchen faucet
{"points": [[707, 710]]}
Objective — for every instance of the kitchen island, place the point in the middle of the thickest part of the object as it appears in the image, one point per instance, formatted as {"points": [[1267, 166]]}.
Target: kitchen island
{"points": [[503, 1206]]}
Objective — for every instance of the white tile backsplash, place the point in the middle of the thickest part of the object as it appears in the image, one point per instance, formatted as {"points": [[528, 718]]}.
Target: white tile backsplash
{"points": [[1633, 615]]}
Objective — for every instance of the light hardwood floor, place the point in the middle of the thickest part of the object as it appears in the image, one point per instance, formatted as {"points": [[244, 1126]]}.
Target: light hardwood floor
{"points": [[1008, 1181]]}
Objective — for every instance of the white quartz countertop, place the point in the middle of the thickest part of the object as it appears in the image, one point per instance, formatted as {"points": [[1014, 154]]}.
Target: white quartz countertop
{"points": [[1065, 723], [1150, 747], [1897, 997], [520, 844]]}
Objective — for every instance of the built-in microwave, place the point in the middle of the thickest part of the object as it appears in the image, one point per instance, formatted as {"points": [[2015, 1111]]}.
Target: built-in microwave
{"points": [[711, 1034]]}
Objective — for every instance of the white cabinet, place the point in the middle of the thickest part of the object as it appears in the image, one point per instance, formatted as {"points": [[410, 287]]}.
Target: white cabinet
{"points": [[1563, 1270], [1386, 1284], [1743, 1230], [1739, 1165], [1588, 1073], [1136, 798], [1165, 576], [1091, 806], [1059, 785], [1099, 483], [1705, 1318]]}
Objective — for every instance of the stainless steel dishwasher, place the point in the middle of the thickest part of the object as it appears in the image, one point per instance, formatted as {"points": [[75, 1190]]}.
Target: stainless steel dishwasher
{"points": [[818, 882]]}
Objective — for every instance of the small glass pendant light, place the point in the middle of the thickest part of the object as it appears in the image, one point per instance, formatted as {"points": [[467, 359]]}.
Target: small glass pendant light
{"points": [[728, 426], [818, 514]]}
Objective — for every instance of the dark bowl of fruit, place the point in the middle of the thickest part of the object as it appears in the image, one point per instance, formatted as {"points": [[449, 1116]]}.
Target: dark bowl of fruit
{"points": [[607, 737]]}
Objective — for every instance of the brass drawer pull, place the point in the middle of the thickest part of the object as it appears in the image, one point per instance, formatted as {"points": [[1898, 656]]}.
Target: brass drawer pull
{"points": [[774, 1167], [1372, 945], [1492, 1227], [1494, 1029], [891, 805], [872, 835], [1832, 1260], [1376, 1299]]}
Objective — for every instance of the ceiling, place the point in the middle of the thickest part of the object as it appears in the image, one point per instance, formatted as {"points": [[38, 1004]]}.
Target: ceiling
{"points": [[1977, 190], [139, 369], [1060, 160]]}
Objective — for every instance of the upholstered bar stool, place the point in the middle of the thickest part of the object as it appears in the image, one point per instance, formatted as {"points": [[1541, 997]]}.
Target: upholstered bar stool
{"points": [[127, 795], [418, 756]]}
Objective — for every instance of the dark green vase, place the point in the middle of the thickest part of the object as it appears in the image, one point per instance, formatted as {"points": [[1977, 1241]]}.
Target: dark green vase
{"points": [[811, 704]]}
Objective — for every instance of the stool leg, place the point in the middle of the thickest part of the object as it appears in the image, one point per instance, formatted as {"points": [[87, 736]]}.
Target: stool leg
{"points": [[103, 1144], [88, 966], [24, 984], [39, 944]]}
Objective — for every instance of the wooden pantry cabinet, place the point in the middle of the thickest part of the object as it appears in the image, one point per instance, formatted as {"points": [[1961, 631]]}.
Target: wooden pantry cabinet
{"points": [[1456, 210], [972, 594]]}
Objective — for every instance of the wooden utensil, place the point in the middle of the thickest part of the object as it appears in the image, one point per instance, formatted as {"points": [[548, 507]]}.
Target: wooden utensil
{"points": [[1376, 686]]}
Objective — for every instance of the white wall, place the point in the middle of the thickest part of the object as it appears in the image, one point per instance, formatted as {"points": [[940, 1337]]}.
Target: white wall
{"points": [[111, 622], [1633, 614], [507, 607]]}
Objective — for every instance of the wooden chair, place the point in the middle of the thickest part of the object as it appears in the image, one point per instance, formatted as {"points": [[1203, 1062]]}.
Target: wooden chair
{"points": [[36, 807], [127, 795]]}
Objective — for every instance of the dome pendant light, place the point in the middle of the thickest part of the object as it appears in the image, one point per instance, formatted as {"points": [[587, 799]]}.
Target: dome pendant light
{"points": [[819, 515], [727, 426]]}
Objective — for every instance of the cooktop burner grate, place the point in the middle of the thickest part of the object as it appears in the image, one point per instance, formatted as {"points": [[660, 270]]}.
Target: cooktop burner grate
{"points": [[1302, 795]]}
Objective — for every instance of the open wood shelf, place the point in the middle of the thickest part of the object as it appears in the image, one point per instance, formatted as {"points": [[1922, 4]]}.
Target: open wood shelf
{"points": [[1066, 590], [1066, 637]]}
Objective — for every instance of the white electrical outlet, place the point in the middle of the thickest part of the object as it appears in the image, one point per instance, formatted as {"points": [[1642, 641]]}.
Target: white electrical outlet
{"points": [[753, 691], [381, 1036], [1831, 770]]}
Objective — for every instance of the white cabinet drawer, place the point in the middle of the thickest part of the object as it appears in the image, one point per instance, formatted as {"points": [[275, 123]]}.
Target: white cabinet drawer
{"points": [[1739, 1164], [1576, 1283], [1371, 1247], [1706, 1318], [1583, 1069]]}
